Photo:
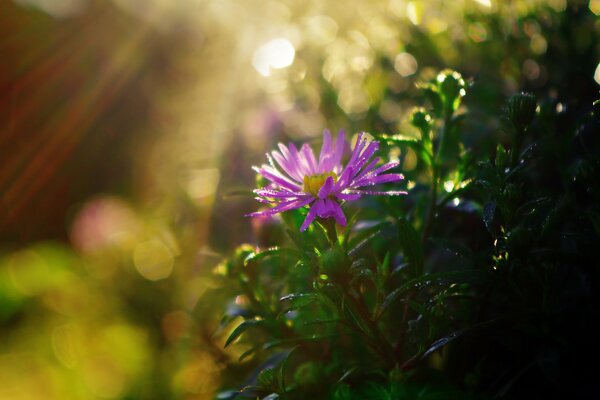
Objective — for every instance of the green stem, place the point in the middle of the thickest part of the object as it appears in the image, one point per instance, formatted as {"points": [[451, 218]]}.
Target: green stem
{"points": [[516, 146], [432, 204], [379, 342], [440, 153], [330, 228], [436, 163]]}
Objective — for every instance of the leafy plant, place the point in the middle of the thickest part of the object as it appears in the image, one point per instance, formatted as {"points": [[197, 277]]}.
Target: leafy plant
{"points": [[466, 288]]}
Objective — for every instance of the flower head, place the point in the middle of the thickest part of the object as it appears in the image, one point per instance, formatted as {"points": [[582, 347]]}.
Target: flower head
{"points": [[299, 179]]}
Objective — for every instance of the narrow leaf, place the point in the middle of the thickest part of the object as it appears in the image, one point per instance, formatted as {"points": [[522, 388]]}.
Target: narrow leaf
{"points": [[241, 328], [411, 246], [258, 256]]}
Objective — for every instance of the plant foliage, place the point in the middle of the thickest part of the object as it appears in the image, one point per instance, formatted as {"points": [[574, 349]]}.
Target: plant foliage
{"points": [[479, 284]]}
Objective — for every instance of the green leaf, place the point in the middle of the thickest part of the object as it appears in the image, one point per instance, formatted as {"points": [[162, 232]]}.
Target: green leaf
{"points": [[427, 280], [455, 248], [267, 380], [281, 371], [438, 344], [286, 342], [383, 268], [241, 328], [322, 321], [249, 352], [489, 210], [298, 300], [364, 236], [531, 205], [418, 307], [346, 234], [253, 257], [413, 143], [347, 373], [411, 246], [354, 317], [342, 392], [363, 273]]}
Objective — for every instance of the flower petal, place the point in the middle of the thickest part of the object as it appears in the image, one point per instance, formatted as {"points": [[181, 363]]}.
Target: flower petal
{"points": [[368, 168], [326, 153], [266, 201], [338, 214], [379, 193], [320, 207], [327, 188], [373, 180], [378, 171], [279, 194], [348, 196], [276, 177], [291, 160], [309, 158], [344, 179], [327, 208], [338, 153], [303, 167], [288, 166], [366, 155], [358, 148], [281, 207], [310, 217]]}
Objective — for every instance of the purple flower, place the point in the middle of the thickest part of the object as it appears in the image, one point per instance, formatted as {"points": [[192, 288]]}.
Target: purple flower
{"points": [[299, 179]]}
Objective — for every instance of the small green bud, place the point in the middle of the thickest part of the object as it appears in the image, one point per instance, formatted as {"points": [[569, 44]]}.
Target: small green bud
{"points": [[421, 119], [308, 374], [267, 380], [334, 262], [452, 88], [521, 110]]}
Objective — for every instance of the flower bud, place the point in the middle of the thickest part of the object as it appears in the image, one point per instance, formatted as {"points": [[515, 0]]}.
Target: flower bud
{"points": [[421, 119], [334, 262], [521, 110], [451, 88], [309, 374]]}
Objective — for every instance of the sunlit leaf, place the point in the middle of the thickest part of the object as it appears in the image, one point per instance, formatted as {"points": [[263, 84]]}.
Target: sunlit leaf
{"points": [[241, 328]]}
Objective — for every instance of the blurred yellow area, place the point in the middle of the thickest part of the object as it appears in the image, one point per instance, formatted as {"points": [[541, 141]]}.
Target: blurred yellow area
{"points": [[123, 122]]}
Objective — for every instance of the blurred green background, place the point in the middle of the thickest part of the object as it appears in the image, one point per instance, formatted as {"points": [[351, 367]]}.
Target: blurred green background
{"points": [[128, 126]]}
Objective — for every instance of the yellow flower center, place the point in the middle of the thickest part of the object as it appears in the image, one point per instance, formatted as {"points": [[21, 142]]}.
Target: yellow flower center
{"points": [[313, 183]]}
